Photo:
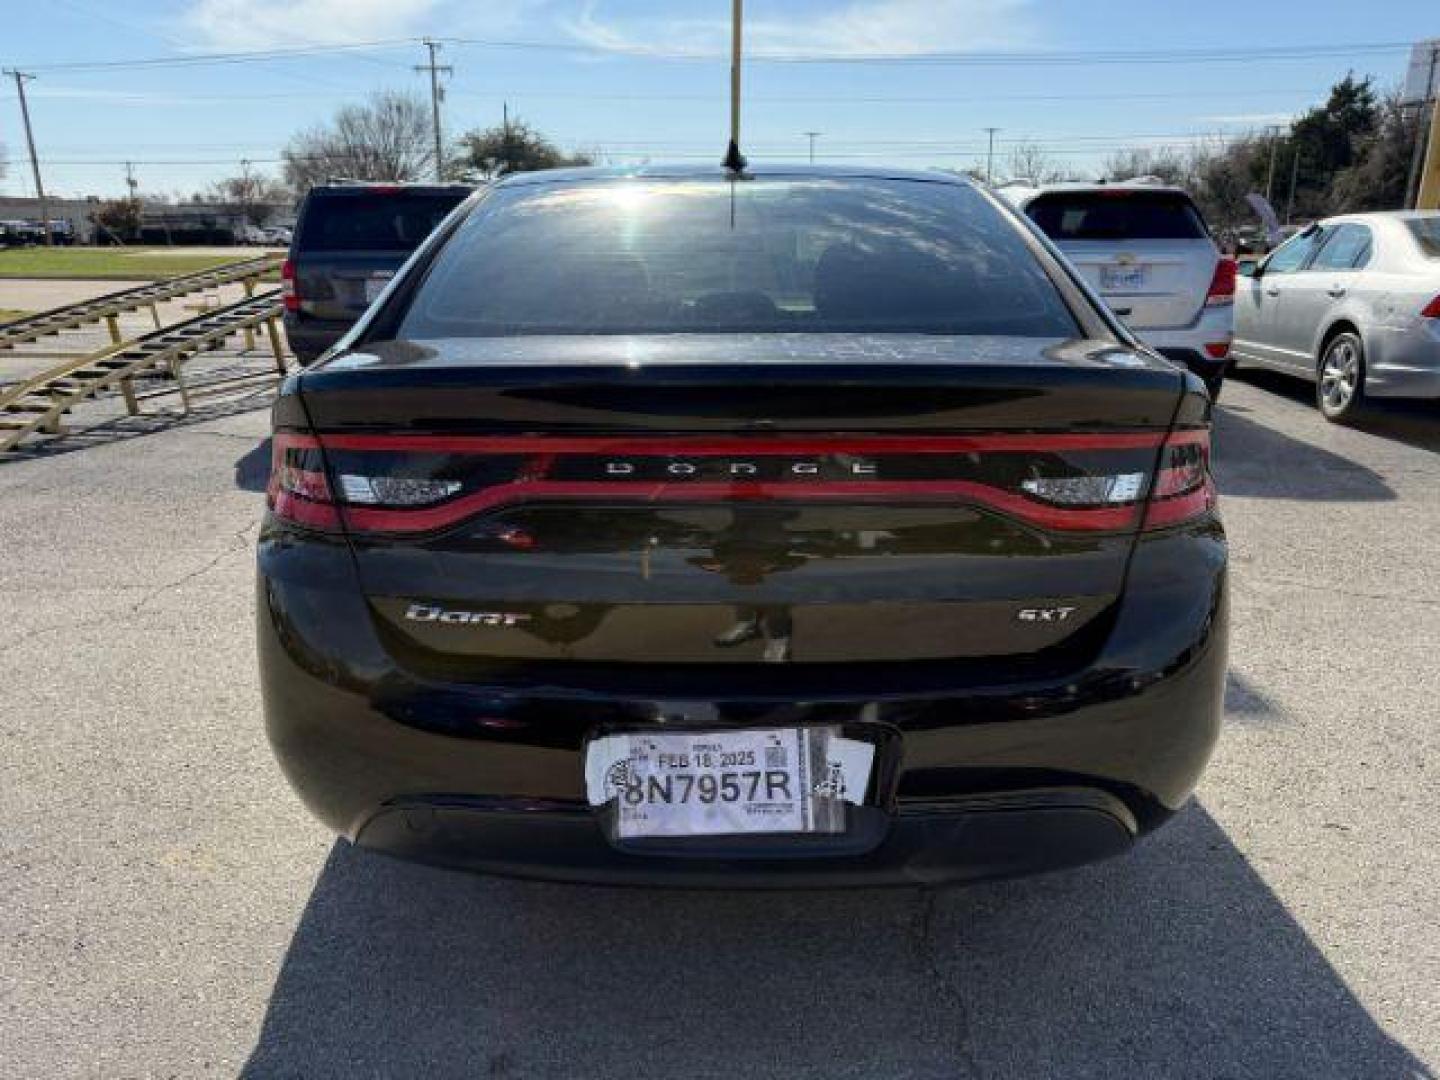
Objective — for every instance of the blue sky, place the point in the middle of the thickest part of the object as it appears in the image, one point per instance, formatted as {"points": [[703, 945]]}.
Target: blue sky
{"points": [[184, 126]]}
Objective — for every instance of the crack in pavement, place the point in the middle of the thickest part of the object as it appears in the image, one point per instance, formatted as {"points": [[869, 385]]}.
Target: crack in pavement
{"points": [[239, 541], [949, 995]]}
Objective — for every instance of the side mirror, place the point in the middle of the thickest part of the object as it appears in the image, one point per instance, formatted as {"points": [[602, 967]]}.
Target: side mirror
{"points": [[1251, 268]]}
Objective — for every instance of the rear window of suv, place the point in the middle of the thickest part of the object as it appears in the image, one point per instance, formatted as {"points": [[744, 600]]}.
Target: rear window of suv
{"points": [[710, 256], [372, 221], [1120, 214], [1426, 232]]}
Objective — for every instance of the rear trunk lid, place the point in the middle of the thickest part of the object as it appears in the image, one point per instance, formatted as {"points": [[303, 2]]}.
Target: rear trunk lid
{"points": [[733, 499], [341, 284], [1151, 284], [1146, 252]]}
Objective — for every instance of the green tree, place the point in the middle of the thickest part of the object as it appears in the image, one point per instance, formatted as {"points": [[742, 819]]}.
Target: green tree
{"points": [[515, 146], [1377, 179], [120, 218], [1323, 143]]}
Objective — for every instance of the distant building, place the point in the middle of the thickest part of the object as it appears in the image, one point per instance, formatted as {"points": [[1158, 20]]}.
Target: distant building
{"points": [[74, 211], [160, 222]]}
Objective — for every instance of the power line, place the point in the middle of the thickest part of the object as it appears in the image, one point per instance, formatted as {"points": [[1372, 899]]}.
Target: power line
{"points": [[209, 59], [1207, 55]]}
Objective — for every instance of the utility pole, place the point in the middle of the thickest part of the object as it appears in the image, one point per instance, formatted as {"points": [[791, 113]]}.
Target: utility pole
{"points": [[246, 188], [812, 136], [990, 155], [1270, 172], [437, 95], [20, 79], [1294, 174], [130, 182], [1412, 182]]}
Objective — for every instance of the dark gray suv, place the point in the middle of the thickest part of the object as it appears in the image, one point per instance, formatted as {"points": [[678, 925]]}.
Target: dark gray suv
{"points": [[349, 241]]}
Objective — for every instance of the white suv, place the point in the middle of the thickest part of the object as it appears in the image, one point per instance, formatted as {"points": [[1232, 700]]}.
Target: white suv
{"points": [[1144, 247]]}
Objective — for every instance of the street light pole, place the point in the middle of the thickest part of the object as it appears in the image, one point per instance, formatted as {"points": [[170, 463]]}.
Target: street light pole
{"points": [[990, 155], [812, 136], [20, 80]]}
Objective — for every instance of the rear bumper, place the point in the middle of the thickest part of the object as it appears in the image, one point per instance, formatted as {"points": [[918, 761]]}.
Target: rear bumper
{"points": [[992, 779], [1404, 361], [1206, 367], [944, 842], [1186, 345], [309, 337]]}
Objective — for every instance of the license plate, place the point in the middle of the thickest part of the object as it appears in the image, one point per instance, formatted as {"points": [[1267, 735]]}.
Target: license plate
{"points": [[375, 285], [725, 783], [1123, 278]]}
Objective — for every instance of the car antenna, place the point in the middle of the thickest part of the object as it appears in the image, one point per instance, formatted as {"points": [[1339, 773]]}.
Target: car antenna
{"points": [[734, 159]]}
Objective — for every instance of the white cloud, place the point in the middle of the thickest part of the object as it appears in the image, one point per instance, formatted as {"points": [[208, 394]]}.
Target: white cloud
{"points": [[262, 24], [898, 27]]}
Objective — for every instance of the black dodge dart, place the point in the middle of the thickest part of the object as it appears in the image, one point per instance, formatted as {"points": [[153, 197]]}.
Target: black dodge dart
{"points": [[798, 526]]}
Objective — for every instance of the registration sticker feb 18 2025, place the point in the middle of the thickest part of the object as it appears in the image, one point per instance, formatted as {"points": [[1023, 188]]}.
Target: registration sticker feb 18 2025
{"points": [[715, 783]]}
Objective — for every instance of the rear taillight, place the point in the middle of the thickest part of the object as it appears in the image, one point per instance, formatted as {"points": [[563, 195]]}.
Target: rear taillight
{"points": [[1222, 284], [299, 490], [1184, 488], [1431, 310], [410, 484], [289, 290]]}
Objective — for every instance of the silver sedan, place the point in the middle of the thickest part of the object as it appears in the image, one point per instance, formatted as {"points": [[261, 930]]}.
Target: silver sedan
{"points": [[1353, 305]]}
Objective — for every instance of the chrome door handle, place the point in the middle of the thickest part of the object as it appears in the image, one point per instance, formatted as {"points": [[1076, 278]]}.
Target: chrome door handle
{"points": [[1272, 291], [1337, 292]]}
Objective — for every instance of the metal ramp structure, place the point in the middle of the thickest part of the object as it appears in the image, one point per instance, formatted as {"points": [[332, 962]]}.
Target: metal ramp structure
{"points": [[109, 307], [37, 404]]}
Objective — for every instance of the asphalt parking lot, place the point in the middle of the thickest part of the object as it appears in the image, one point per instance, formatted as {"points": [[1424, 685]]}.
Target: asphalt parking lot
{"points": [[167, 908]]}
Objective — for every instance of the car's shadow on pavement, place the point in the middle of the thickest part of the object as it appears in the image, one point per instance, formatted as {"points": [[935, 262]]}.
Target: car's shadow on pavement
{"points": [[1414, 423], [252, 470], [1176, 960], [1257, 461]]}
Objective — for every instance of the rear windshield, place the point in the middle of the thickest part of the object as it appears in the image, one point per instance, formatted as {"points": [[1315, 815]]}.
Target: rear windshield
{"points": [[1117, 215], [1427, 234], [372, 222], [710, 256]]}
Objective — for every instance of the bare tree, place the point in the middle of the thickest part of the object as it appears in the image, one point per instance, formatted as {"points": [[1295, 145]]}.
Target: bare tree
{"points": [[1163, 161], [1028, 161], [389, 138], [253, 192]]}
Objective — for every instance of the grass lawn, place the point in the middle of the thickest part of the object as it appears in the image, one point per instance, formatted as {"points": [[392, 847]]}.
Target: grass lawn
{"points": [[139, 264]]}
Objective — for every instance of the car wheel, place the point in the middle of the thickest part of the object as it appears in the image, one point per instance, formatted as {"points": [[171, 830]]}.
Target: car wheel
{"points": [[1340, 388]]}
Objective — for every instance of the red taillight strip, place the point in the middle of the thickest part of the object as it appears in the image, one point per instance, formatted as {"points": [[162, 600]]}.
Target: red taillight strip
{"points": [[317, 512], [760, 444], [1104, 519], [533, 488]]}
